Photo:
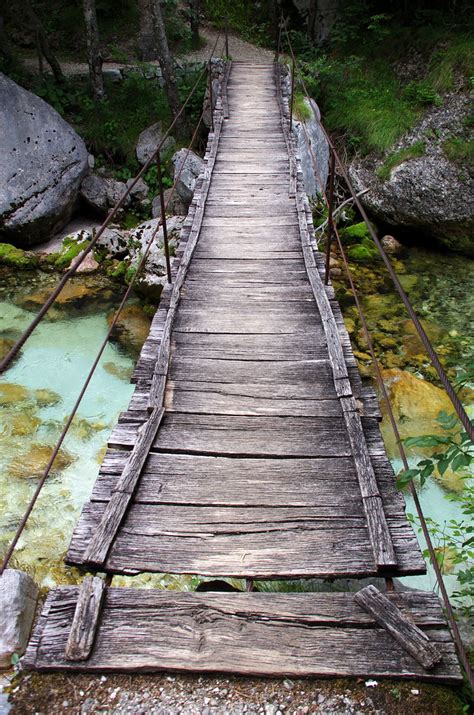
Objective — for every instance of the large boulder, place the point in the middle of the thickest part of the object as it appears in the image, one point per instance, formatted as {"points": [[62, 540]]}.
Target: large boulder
{"points": [[101, 193], [43, 164], [421, 185], [148, 142], [173, 204], [193, 167]]}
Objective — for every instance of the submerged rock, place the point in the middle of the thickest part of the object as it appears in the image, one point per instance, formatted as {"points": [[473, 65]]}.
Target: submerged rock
{"points": [[43, 164], [18, 596], [72, 293], [123, 372], [47, 398], [33, 463], [12, 394], [132, 327]]}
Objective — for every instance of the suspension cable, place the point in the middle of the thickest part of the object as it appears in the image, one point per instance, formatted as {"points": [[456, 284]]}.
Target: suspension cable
{"points": [[57, 447], [463, 656], [111, 215]]}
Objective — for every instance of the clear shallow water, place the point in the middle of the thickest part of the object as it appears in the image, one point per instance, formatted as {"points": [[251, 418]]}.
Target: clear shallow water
{"points": [[56, 358]]}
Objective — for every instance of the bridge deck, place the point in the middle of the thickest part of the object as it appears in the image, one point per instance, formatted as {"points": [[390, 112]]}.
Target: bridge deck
{"points": [[261, 457], [262, 466]]}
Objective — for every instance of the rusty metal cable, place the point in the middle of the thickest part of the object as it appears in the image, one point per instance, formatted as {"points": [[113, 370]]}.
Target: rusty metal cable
{"points": [[462, 653], [111, 215], [57, 447]]}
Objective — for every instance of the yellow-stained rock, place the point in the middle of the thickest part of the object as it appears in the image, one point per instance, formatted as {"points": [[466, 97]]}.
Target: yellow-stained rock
{"points": [[412, 342], [416, 404], [23, 424], [32, 463], [5, 346], [132, 327], [101, 454], [121, 371], [11, 394], [46, 398]]}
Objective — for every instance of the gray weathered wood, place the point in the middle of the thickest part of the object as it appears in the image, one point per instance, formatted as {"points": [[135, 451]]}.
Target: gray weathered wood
{"points": [[86, 619], [101, 540], [411, 638], [250, 633]]}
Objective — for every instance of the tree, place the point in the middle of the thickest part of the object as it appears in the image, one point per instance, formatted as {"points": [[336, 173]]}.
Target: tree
{"points": [[42, 42], [93, 49], [166, 64], [146, 38], [194, 8]]}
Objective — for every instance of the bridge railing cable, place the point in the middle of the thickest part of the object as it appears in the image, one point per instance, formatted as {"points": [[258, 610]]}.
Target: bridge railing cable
{"points": [[31, 504], [332, 229], [155, 157]]}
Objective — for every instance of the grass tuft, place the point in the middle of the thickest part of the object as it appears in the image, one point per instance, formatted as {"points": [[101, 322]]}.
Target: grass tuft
{"points": [[459, 151], [399, 157]]}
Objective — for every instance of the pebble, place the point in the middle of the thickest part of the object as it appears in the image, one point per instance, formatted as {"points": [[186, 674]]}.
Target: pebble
{"points": [[288, 684]]}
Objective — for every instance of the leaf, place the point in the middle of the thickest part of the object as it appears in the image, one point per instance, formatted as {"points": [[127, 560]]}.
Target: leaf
{"points": [[406, 476], [443, 464], [429, 440], [460, 460]]}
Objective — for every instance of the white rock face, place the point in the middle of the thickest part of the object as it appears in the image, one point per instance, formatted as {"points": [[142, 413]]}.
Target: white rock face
{"points": [[18, 595], [313, 150], [153, 276], [101, 193], [43, 163]]}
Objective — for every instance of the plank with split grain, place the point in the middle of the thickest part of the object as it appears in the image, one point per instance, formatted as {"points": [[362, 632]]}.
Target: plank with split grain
{"points": [[86, 619]]}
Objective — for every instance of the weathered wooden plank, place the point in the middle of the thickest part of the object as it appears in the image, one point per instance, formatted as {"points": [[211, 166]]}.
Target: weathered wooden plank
{"points": [[254, 634], [86, 619], [241, 291], [100, 542], [411, 637], [184, 479], [244, 436], [283, 346], [242, 542], [274, 320]]}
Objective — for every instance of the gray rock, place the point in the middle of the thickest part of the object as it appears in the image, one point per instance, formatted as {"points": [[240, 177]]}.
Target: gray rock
{"points": [[193, 167], [174, 203], [153, 277], [115, 241], [148, 142], [101, 193], [112, 73], [43, 164], [313, 150], [139, 191], [391, 245], [427, 195], [18, 594]]}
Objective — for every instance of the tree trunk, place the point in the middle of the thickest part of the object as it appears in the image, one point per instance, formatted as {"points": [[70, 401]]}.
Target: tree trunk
{"points": [[146, 38], [43, 43], [94, 57], [194, 21], [166, 64], [312, 14]]}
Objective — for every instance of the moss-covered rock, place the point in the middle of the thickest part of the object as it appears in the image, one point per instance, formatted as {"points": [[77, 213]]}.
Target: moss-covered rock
{"points": [[132, 328], [354, 234], [17, 258], [362, 253]]}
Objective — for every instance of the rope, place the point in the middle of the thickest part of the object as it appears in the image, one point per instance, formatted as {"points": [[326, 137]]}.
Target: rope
{"points": [[112, 213], [463, 656], [88, 379]]}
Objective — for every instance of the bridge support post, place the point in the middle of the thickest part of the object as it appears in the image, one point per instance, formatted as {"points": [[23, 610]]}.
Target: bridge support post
{"points": [[163, 217], [292, 98], [211, 108], [332, 172], [227, 38]]}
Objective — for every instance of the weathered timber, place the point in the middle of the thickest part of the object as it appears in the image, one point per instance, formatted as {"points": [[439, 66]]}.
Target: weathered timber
{"points": [[86, 619], [249, 633], [411, 638], [99, 545]]}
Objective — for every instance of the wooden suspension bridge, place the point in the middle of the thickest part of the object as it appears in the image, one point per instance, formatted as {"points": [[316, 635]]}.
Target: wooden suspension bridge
{"points": [[250, 449]]}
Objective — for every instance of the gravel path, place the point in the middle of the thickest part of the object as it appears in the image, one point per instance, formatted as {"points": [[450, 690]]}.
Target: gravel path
{"points": [[163, 694], [238, 50]]}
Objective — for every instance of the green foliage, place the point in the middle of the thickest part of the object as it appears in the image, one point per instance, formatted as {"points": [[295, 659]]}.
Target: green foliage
{"points": [[454, 451], [71, 250], [251, 20], [422, 93], [352, 234], [301, 109], [410, 152], [455, 58], [454, 539], [459, 151]]}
